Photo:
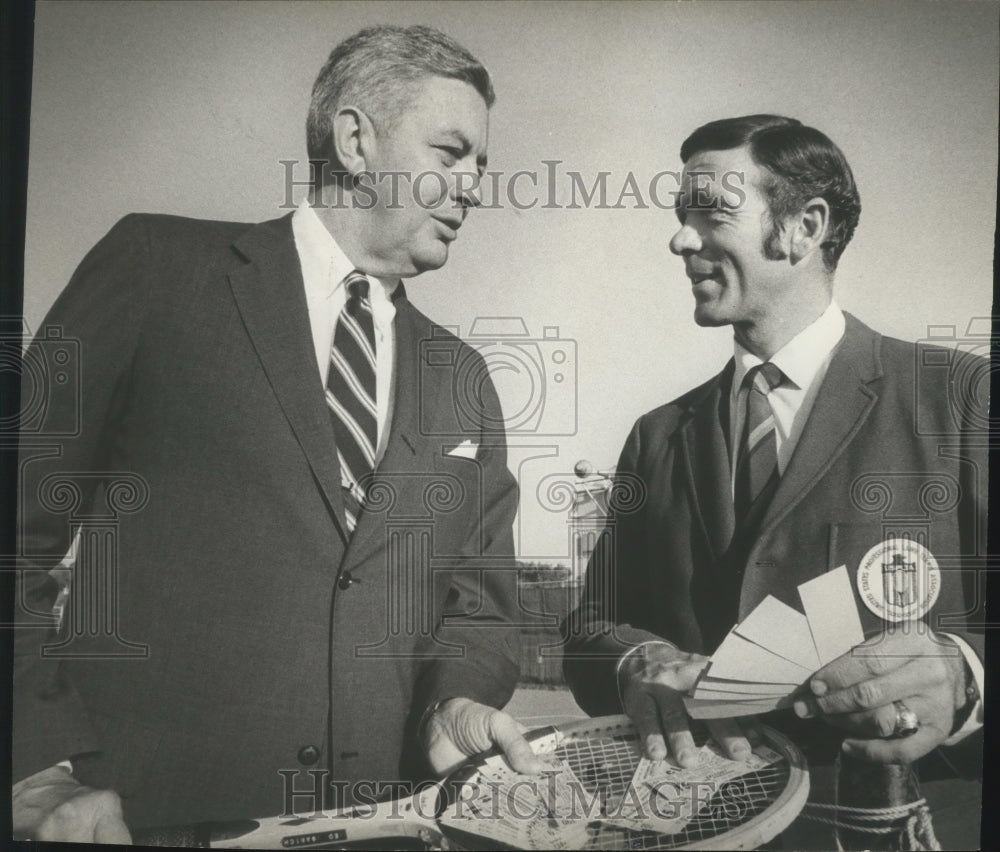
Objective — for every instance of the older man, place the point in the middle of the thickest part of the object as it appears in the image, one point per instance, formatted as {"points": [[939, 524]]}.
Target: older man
{"points": [[260, 387], [755, 481]]}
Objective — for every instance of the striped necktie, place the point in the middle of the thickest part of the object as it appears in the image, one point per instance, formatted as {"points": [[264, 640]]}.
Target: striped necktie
{"points": [[757, 462], [350, 393]]}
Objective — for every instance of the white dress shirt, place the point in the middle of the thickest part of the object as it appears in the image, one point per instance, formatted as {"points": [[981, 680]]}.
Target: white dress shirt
{"points": [[804, 361], [324, 268]]}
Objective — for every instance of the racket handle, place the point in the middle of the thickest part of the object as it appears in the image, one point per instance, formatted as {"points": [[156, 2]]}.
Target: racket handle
{"points": [[863, 784]]}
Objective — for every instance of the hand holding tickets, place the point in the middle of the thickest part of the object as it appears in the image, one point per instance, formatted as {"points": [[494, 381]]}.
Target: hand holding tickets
{"points": [[654, 679], [775, 649]]}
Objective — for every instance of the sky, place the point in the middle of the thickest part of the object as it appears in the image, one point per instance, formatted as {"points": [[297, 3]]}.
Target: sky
{"points": [[189, 108]]}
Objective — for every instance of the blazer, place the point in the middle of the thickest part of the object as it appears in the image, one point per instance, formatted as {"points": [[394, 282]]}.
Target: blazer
{"points": [[896, 445], [244, 632]]}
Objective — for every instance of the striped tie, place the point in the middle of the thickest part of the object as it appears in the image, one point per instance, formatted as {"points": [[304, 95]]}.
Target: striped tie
{"points": [[350, 393], [757, 462]]}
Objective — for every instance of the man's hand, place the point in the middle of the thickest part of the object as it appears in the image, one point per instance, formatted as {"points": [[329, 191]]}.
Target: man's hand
{"points": [[53, 805], [460, 728], [857, 690], [653, 682]]}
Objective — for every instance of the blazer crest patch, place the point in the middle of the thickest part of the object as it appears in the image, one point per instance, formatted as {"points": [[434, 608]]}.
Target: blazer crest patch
{"points": [[899, 580]]}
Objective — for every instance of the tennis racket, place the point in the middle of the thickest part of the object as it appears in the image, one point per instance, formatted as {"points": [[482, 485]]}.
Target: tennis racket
{"points": [[603, 753]]}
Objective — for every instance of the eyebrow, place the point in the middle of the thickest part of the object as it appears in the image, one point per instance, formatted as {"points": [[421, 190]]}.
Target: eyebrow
{"points": [[463, 140]]}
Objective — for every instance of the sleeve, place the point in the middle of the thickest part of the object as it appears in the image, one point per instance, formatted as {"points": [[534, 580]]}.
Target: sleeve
{"points": [[975, 720], [969, 443], [965, 395], [481, 614], [598, 632], [79, 361]]}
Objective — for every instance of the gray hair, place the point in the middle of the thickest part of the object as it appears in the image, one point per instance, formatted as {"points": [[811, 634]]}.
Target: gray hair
{"points": [[374, 70]]}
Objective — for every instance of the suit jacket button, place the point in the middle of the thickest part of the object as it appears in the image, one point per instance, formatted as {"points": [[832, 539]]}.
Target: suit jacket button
{"points": [[308, 755], [345, 580]]}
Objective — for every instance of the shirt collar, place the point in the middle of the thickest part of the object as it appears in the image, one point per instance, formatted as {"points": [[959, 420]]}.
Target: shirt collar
{"points": [[802, 358], [324, 264]]}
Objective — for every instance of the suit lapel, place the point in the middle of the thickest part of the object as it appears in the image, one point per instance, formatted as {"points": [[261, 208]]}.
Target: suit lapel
{"points": [[406, 448], [405, 439], [841, 407], [271, 299], [705, 444]]}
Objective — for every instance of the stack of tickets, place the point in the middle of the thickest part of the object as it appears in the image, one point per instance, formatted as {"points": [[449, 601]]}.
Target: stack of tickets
{"points": [[775, 649]]}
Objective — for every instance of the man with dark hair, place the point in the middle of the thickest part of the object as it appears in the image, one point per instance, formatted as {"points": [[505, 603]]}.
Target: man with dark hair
{"points": [[755, 481], [799, 163], [318, 566]]}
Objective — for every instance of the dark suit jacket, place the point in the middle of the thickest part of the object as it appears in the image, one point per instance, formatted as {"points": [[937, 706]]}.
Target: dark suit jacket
{"points": [[895, 444], [265, 631]]}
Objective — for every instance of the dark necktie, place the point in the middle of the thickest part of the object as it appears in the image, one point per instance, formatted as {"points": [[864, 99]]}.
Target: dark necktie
{"points": [[757, 459], [350, 393]]}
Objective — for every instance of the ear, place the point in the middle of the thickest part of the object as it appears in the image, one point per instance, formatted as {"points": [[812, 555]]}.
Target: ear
{"points": [[807, 231], [353, 139]]}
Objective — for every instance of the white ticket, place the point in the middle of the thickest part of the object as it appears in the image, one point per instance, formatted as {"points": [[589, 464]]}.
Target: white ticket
{"points": [[526, 812]]}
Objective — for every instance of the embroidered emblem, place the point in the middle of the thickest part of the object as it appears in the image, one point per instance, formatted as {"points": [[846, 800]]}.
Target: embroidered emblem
{"points": [[899, 580]]}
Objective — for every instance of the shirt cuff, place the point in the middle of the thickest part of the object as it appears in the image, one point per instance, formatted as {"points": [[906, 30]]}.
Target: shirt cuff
{"points": [[975, 720], [20, 785], [629, 653]]}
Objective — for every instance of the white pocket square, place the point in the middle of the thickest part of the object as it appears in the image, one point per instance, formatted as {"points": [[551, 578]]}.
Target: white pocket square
{"points": [[465, 450]]}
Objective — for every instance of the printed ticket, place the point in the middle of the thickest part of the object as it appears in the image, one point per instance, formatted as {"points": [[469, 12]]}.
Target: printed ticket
{"points": [[526, 812]]}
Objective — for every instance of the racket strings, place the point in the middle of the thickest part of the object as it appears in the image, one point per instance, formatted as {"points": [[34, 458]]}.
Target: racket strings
{"points": [[604, 758], [605, 766]]}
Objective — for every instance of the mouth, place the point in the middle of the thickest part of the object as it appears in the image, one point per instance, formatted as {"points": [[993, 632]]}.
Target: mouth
{"points": [[697, 277], [448, 227]]}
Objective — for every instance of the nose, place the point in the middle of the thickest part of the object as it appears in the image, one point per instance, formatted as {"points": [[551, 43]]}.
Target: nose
{"points": [[466, 189], [685, 241]]}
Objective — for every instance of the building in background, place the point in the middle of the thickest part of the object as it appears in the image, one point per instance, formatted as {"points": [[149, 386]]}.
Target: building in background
{"points": [[549, 592], [587, 514]]}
